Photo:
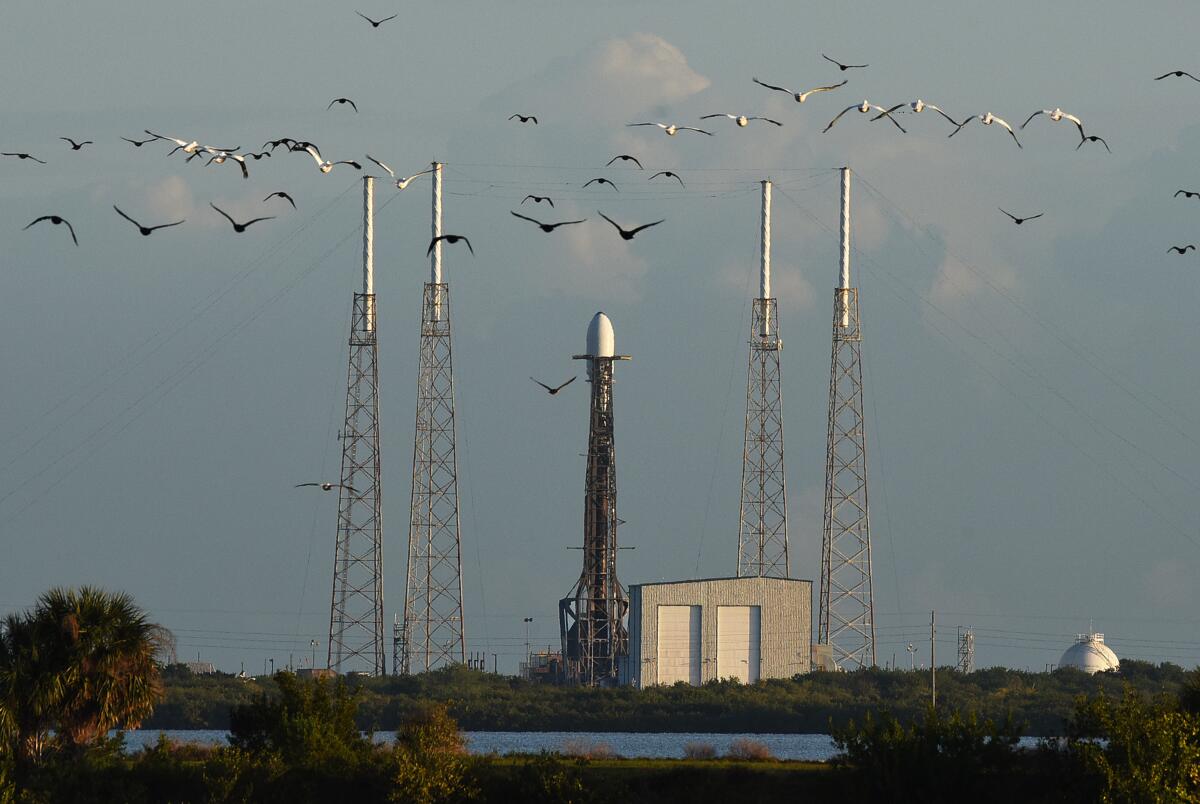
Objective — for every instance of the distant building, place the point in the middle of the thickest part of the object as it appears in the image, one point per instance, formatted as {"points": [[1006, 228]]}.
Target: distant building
{"points": [[696, 631], [201, 668], [1090, 654], [543, 667]]}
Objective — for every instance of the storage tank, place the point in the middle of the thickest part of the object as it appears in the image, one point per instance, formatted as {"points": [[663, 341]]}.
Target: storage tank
{"points": [[1090, 654]]}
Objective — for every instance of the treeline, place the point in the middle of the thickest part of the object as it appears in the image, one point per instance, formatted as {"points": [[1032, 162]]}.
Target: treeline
{"points": [[811, 703]]}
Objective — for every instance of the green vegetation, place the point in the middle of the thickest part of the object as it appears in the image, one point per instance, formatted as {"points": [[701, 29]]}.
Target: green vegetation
{"points": [[805, 704]]}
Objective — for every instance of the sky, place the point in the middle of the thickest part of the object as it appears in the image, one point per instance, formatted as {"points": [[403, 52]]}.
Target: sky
{"points": [[1030, 391]]}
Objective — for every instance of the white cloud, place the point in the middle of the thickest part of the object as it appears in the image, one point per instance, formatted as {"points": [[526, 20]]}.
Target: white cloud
{"points": [[956, 283]]}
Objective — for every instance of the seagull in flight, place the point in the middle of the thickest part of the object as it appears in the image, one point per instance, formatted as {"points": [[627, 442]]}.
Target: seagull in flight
{"points": [[328, 486], [537, 199], [741, 119], [1177, 74], [75, 146], [239, 227], [449, 238], [1055, 114], [403, 181], [55, 219], [671, 129], [865, 107], [916, 107], [844, 67], [145, 230], [670, 175], [1093, 138], [283, 195], [180, 145], [545, 227], [627, 234], [987, 120], [625, 158], [22, 156], [219, 157], [1186, 194], [1181, 249], [601, 180], [524, 118], [324, 165], [553, 391], [376, 23], [353, 105], [1019, 221], [800, 97]]}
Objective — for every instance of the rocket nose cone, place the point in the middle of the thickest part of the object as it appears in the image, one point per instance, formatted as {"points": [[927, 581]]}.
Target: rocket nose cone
{"points": [[600, 339]]}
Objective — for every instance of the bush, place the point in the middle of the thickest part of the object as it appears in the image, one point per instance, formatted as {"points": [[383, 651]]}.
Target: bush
{"points": [[699, 751], [745, 749], [588, 749], [429, 759]]}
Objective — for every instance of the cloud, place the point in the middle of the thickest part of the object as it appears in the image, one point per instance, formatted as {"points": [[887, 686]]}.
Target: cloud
{"points": [[956, 283], [598, 265]]}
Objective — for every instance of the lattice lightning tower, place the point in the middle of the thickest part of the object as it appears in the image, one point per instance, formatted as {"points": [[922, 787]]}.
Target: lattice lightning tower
{"points": [[356, 613], [847, 610], [762, 521], [432, 633]]}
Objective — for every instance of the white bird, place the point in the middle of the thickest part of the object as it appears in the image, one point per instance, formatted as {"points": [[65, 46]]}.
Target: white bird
{"points": [[187, 147], [917, 107], [403, 181], [741, 119], [987, 120], [671, 129], [219, 157], [865, 107], [324, 165], [800, 96], [1056, 114]]}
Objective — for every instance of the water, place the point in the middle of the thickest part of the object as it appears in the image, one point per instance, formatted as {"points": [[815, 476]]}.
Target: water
{"points": [[812, 747]]}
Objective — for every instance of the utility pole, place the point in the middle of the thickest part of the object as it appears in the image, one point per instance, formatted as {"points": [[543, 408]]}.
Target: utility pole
{"points": [[912, 662], [932, 658]]}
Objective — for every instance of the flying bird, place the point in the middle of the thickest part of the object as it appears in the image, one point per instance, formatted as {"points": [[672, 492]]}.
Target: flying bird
{"points": [[288, 141], [1186, 194], [376, 23], [145, 230], [1056, 114], [239, 227], [545, 227], [75, 146], [324, 165], [671, 129], [916, 107], [800, 97], [627, 234], [449, 238], [1019, 221], [353, 105], [625, 158], [1181, 249], [553, 391], [741, 119], [56, 220], [601, 180], [283, 195], [22, 156], [670, 175], [139, 143], [328, 486], [180, 145], [259, 155], [1177, 74], [403, 181], [524, 118], [1093, 138], [844, 67], [865, 107], [537, 199], [219, 157], [987, 120]]}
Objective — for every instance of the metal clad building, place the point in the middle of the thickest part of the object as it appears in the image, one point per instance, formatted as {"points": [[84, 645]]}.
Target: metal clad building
{"points": [[698, 631]]}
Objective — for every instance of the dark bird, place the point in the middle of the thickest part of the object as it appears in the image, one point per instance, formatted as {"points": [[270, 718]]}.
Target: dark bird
{"points": [[285, 141], [601, 180], [55, 219], [1177, 74], [1186, 194], [800, 97], [1181, 249], [553, 391], [741, 119], [843, 67], [987, 120], [1093, 138], [625, 158], [328, 486], [238, 227], [138, 143], [1019, 221], [627, 234], [671, 129], [75, 146], [282, 195], [258, 155], [376, 23], [545, 227], [145, 230], [22, 156], [524, 118], [537, 199], [449, 239], [669, 174], [353, 105], [865, 107]]}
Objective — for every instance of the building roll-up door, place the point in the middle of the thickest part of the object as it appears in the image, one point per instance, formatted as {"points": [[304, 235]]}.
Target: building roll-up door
{"points": [[738, 643], [678, 644]]}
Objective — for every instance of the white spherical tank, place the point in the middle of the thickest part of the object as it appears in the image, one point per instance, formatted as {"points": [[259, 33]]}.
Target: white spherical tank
{"points": [[600, 339], [1090, 654]]}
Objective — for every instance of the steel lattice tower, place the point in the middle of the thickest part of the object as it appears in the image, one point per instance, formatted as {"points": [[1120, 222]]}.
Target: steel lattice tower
{"points": [[847, 609], [762, 528], [356, 612], [592, 618], [433, 634], [966, 650]]}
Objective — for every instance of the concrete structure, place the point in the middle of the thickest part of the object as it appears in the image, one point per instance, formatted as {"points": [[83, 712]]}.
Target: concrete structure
{"points": [[1090, 654], [697, 631]]}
